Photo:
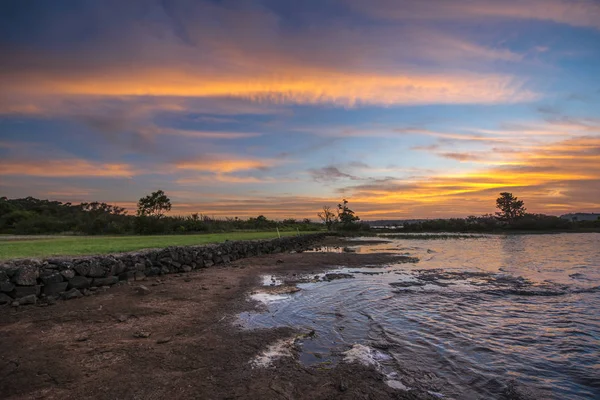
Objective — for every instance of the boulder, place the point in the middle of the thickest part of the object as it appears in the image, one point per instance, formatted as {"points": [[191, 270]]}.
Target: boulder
{"points": [[97, 270], [26, 275], [23, 291], [55, 288], [143, 290], [67, 274], [31, 299], [79, 282], [125, 276], [6, 287], [5, 299], [72, 294], [51, 277], [108, 281], [82, 267], [140, 276]]}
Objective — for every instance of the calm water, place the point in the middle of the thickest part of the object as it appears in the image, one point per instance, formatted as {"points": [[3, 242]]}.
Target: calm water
{"points": [[474, 317]]}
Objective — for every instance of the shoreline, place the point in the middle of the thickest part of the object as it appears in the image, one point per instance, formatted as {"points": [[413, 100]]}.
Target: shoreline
{"points": [[179, 340]]}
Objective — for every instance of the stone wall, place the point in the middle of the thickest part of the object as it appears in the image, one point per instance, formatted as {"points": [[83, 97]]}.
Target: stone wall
{"points": [[28, 281]]}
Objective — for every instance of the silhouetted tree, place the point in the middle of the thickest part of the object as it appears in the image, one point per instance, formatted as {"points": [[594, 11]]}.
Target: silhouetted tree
{"points": [[154, 205], [346, 215], [328, 217], [511, 208]]}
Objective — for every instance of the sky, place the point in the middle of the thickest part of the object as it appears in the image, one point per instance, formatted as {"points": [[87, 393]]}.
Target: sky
{"points": [[408, 109]]}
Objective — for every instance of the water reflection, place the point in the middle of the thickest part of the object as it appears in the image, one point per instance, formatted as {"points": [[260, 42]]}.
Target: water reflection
{"points": [[474, 318]]}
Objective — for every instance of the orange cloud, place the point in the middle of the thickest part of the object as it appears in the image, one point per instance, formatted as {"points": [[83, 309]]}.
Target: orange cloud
{"points": [[66, 168], [224, 164], [563, 169], [297, 86]]}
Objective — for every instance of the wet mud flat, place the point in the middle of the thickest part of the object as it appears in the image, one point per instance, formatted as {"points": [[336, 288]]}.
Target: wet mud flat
{"points": [[179, 340]]}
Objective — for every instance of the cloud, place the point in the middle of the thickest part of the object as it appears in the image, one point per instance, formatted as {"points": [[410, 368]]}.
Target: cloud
{"points": [[66, 168], [202, 50], [330, 174], [462, 157], [584, 13], [293, 87], [565, 168], [225, 164]]}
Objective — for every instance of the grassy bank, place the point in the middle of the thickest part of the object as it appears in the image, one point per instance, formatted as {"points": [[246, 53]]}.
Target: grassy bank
{"points": [[23, 247]]}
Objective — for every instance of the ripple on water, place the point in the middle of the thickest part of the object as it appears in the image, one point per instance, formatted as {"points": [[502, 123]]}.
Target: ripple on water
{"points": [[485, 318]]}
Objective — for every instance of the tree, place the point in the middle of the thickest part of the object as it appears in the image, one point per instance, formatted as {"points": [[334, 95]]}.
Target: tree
{"points": [[328, 217], [346, 215], [511, 208], [154, 205]]}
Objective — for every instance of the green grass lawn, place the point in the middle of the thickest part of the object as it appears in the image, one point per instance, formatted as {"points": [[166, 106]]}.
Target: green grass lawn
{"points": [[23, 247]]}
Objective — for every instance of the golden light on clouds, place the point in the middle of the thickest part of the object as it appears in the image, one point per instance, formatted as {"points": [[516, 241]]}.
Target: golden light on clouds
{"points": [[65, 168], [302, 86]]}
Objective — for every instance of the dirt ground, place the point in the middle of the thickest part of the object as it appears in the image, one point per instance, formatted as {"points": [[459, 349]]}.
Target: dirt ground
{"points": [[87, 348]]}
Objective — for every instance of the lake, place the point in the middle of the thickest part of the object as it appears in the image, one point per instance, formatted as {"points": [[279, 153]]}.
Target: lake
{"points": [[494, 316]]}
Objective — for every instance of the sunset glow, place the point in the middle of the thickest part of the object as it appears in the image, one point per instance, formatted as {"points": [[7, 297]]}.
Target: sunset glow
{"points": [[409, 109]]}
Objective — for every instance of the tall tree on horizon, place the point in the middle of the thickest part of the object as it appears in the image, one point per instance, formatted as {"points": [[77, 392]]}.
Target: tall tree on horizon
{"points": [[154, 205], [511, 208]]}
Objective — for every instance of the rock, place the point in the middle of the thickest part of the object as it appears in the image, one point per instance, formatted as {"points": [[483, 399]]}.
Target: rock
{"points": [[72, 294], [55, 288], [6, 287], [343, 386], [86, 292], [111, 280], [26, 275], [153, 271], [142, 334], [14, 304], [5, 299], [51, 277], [79, 282], [163, 340], [22, 291], [31, 299], [186, 268], [332, 276], [143, 290], [208, 263], [349, 250], [140, 276], [82, 267], [126, 276], [82, 338], [68, 274], [122, 317], [279, 262]]}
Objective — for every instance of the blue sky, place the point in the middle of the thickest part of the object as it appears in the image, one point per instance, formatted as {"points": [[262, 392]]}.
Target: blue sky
{"points": [[239, 108]]}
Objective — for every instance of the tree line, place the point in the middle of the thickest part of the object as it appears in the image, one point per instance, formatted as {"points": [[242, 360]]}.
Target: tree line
{"points": [[29, 215], [344, 219], [511, 215]]}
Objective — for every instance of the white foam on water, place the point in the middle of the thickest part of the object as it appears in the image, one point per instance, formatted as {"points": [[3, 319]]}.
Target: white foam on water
{"points": [[281, 348], [268, 298], [364, 355], [271, 280], [395, 384]]}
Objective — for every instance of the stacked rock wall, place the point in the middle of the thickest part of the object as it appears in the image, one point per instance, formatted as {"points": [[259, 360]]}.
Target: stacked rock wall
{"points": [[28, 280]]}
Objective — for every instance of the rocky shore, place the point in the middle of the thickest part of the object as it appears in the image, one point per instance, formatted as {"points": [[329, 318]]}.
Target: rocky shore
{"points": [[177, 338], [29, 281]]}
